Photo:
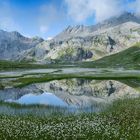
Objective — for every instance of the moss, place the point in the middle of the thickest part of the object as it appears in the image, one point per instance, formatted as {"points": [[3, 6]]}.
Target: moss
{"points": [[66, 53]]}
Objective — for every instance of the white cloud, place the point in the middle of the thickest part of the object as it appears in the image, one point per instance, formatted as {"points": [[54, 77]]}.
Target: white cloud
{"points": [[49, 16], [43, 29], [7, 21], [80, 10], [49, 38], [135, 6]]}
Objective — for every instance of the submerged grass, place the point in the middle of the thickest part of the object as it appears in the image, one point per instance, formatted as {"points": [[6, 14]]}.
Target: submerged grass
{"points": [[20, 106], [121, 120]]}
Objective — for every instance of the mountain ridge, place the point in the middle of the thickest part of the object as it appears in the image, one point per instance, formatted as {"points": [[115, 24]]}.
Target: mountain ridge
{"points": [[111, 22]]}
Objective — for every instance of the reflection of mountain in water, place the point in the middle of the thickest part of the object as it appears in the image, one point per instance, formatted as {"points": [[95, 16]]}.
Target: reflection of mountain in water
{"points": [[86, 92], [78, 91]]}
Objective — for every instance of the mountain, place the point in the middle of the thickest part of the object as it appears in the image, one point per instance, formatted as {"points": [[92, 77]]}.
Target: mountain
{"points": [[78, 43], [88, 43], [12, 43]]}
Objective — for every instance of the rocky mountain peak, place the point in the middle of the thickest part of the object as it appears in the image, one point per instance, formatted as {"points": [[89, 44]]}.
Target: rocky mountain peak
{"points": [[75, 29], [123, 18]]}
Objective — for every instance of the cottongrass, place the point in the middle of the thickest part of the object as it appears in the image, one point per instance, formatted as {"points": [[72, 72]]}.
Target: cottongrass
{"points": [[121, 121]]}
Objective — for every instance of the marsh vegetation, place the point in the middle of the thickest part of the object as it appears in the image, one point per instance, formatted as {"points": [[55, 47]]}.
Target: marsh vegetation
{"points": [[121, 120]]}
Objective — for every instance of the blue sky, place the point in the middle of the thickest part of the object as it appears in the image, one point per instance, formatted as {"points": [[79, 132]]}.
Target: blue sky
{"points": [[46, 18]]}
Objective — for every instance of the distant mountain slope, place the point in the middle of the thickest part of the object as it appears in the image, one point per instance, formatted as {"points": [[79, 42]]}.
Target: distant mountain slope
{"points": [[12, 43], [129, 58], [89, 43]]}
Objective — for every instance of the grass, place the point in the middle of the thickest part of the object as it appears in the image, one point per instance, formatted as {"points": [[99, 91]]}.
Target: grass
{"points": [[29, 74], [1, 87], [121, 120], [129, 58], [21, 106], [12, 65]]}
